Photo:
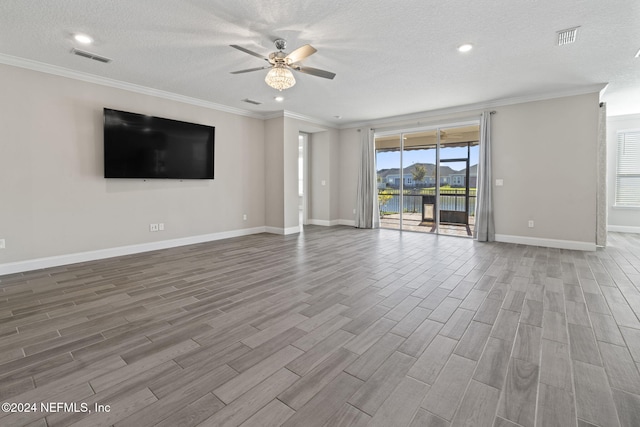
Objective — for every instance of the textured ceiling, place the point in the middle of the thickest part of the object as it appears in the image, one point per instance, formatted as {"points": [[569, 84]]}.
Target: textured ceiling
{"points": [[391, 57]]}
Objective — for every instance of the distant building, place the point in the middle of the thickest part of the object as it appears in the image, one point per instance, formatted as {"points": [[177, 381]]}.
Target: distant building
{"points": [[458, 179], [390, 178]]}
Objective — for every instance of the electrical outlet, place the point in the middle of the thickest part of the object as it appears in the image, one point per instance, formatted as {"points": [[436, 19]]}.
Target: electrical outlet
{"points": [[530, 223], [354, 211], [2, 244], [161, 226], [244, 217], [153, 227]]}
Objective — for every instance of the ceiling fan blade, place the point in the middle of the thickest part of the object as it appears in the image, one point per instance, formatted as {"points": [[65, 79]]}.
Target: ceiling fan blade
{"points": [[250, 52], [300, 53], [314, 71], [250, 70]]}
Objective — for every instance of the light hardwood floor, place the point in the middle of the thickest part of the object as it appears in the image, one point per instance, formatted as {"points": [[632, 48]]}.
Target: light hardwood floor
{"points": [[333, 327]]}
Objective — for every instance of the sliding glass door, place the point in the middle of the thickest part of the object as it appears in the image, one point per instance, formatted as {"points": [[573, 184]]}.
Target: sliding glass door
{"points": [[419, 155], [388, 161], [427, 179]]}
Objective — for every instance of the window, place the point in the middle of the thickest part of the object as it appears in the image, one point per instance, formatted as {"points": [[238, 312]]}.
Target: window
{"points": [[628, 169]]}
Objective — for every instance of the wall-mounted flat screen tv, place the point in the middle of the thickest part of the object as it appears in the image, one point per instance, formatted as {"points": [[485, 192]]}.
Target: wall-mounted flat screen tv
{"points": [[139, 146]]}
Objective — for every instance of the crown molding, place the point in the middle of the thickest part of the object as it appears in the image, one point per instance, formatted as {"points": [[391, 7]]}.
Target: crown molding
{"points": [[104, 81], [118, 84], [297, 116], [583, 90], [293, 115]]}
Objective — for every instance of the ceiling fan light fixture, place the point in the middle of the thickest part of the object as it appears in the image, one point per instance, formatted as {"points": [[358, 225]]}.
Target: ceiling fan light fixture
{"points": [[280, 77]]}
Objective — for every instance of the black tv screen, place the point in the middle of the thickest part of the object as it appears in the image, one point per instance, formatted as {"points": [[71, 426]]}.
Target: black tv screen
{"points": [[139, 146]]}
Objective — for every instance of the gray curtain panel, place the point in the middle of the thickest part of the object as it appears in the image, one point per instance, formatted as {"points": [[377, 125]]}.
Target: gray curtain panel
{"points": [[485, 229], [601, 192], [367, 209]]}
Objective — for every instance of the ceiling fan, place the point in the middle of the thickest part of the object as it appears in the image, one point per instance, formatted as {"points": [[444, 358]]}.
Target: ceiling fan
{"points": [[280, 76]]}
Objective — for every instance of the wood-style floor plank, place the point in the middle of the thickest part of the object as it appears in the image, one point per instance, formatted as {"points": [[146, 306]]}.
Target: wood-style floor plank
{"points": [[555, 407], [445, 395], [377, 388], [333, 327], [399, 408], [594, 399], [430, 363], [518, 397]]}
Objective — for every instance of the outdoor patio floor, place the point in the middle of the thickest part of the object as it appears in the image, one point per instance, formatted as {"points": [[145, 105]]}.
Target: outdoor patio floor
{"points": [[413, 222]]}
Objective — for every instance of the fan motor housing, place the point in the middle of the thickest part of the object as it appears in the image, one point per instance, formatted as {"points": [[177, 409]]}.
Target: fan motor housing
{"points": [[277, 57]]}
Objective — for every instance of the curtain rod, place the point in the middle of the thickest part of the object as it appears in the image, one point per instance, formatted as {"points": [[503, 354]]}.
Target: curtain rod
{"points": [[492, 112], [431, 123]]}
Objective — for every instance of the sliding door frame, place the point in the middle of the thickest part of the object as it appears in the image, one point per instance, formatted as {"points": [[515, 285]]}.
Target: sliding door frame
{"points": [[402, 131]]}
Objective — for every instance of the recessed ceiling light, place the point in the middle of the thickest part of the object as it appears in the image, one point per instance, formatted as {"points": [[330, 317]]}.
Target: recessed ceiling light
{"points": [[83, 38], [279, 98], [638, 54], [465, 47], [338, 117]]}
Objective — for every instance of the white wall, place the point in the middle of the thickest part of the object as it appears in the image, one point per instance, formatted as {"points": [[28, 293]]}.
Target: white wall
{"points": [[334, 175], [56, 202], [290, 170], [274, 173], [54, 199], [545, 151], [325, 162], [323, 166], [349, 152], [619, 219], [281, 157]]}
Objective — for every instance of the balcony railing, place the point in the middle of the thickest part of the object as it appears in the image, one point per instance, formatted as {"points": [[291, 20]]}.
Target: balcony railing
{"points": [[451, 199]]}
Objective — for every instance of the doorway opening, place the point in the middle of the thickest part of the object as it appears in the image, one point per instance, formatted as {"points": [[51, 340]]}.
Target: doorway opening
{"points": [[303, 168]]}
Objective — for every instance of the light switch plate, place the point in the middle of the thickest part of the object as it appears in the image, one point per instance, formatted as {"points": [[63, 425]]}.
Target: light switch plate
{"points": [[499, 182]]}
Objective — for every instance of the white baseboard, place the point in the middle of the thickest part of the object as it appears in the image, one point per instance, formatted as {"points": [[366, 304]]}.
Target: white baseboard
{"points": [[274, 230], [548, 243], [323, 222], [623, 229], [55, 261], [292, 230], [282, 231], [350, 222]]}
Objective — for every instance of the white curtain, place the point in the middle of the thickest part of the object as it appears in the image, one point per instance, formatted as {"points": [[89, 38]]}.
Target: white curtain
{"points": [[484, 230], [601, 192], [367, 209]]}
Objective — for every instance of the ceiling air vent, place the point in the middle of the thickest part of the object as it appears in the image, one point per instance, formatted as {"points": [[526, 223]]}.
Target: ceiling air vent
{"points": [[90, 55], [251, 101], [567, 36]]}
